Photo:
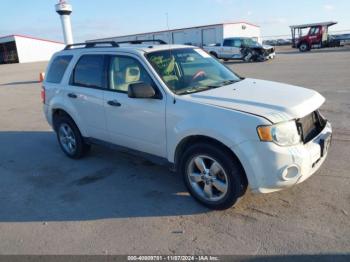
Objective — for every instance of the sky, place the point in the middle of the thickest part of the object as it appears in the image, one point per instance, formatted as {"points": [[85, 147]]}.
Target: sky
{"points": [[106, 18]]}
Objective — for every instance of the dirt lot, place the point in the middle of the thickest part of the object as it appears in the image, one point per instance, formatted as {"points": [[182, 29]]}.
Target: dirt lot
{"points": [[114, 203]]}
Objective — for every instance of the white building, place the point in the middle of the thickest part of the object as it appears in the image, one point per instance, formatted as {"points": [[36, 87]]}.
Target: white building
{"points": [[199, 35], [24, 49]]}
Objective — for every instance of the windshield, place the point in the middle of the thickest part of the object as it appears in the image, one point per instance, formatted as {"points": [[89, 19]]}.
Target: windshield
{"points": [[249, 42], [190, 70]]}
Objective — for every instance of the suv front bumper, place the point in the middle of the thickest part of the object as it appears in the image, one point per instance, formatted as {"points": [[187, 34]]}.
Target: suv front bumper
{"points": [[271, 168]]}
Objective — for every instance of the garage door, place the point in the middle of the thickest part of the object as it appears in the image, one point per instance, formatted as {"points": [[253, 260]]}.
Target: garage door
{"points": [[179, 37], [209, 36], [166, 37]]}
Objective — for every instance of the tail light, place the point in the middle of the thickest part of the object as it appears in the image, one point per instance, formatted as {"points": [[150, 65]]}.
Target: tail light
{"points": [[43, 94]]}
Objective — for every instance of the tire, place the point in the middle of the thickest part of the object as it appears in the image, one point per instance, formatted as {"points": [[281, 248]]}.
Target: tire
{"points": [[69, 138], [214, 55], [226, 60], [249, 57], [304, 47], [223, 176]]}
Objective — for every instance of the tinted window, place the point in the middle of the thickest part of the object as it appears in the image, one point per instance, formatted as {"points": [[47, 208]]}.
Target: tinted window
{"points": [[89, 71], [124, 71], [58, 68], [228, 42]]}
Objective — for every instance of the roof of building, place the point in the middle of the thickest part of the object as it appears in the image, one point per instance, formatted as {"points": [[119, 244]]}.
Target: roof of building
{"points": [[12, 38], [330, 23], [178, 29]]}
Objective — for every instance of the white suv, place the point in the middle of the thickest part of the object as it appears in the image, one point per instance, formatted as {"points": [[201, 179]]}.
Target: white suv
{"points": [[221, 132]]}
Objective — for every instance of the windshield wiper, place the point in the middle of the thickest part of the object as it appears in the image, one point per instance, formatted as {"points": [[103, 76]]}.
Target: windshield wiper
{"points": [[196, 89], [228, 82]]}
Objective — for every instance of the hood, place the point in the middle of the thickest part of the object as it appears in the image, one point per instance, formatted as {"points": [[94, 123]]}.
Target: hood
{"points": [[267, 47], [274, 101]]}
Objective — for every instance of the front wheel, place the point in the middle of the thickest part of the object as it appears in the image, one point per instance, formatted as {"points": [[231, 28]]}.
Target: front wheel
{"points": [[304, 47], [213, 176]]}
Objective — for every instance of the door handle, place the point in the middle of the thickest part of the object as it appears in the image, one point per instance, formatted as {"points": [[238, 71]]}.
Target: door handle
{"points": [[72, 95], [114, 103]]}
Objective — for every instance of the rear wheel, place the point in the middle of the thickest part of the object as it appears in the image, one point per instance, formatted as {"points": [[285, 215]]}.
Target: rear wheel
{"points": [[70, 138], [214, 54], [213, 176]]}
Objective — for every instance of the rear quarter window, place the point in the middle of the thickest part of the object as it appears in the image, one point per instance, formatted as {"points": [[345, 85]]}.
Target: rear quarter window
{"points": [[57, 69]]}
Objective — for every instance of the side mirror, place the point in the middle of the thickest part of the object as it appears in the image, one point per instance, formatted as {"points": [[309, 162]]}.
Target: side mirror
{"points": [[141, 90]]}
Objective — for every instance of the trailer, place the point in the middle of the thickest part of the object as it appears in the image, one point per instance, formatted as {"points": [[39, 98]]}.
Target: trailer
{"points": [[198, 36]]}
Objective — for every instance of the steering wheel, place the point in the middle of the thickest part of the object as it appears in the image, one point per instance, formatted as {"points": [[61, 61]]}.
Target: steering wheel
{"points": [[200, 75]]}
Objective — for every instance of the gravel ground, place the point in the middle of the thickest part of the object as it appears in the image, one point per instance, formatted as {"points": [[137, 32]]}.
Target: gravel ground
{"points": [[115, 203]]}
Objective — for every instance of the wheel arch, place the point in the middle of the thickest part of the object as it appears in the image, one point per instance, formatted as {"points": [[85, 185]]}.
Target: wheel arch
{"points": [[194, 139], [56, 112], [213, 53]]}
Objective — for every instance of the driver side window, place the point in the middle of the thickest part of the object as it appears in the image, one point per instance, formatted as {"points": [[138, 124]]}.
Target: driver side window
{"points": [[124, 71], [237, 43]]}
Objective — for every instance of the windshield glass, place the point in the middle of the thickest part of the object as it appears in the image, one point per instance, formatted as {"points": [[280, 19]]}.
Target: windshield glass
{"points": [[190, 70], [249, 42]]}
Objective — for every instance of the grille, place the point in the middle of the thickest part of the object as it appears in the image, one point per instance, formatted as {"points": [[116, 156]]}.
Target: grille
{"points": [[311, 126]]}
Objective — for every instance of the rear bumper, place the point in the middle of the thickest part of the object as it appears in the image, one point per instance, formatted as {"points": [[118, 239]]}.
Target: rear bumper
{"points": [[271, 168], [48, 116]]}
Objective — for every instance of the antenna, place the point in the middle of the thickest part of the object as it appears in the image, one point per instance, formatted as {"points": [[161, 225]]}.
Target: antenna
{"points": [[167, 26]]}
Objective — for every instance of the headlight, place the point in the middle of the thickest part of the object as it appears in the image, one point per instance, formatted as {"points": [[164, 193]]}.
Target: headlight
{"points": [[283, 134]]}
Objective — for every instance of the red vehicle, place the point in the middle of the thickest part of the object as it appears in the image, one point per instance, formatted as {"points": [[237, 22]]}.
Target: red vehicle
{"points": [[317, 36]]}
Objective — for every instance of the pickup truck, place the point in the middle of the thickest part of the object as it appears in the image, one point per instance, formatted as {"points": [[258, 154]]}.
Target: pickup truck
{"points": [[241, 48]]}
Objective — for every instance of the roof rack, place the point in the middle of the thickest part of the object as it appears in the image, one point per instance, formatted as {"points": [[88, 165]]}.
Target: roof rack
{"points": [[92, 44], [113, 43], [138, 42]]}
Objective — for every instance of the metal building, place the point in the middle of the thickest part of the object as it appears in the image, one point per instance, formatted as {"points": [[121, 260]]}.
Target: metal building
{"points": [[198, 36], [24, 49]]}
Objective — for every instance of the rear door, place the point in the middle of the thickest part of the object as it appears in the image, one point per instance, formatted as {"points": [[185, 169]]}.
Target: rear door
{"points": [[85, 93], [226, 49], [134, 123]]}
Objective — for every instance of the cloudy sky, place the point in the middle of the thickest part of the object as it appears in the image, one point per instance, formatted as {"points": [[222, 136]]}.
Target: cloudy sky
{"points": [[103, 18]]}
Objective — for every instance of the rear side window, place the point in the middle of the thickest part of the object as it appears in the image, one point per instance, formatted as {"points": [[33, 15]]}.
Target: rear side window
{"points": [[228, 42], [89, 71], [57, 69]]}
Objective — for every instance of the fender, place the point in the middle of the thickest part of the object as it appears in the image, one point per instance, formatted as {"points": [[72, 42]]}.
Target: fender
{"points": [[60, 103]]}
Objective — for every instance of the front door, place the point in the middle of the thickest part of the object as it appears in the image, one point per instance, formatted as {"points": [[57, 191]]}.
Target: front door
{"points": [[134, 123], [315, 35]]}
